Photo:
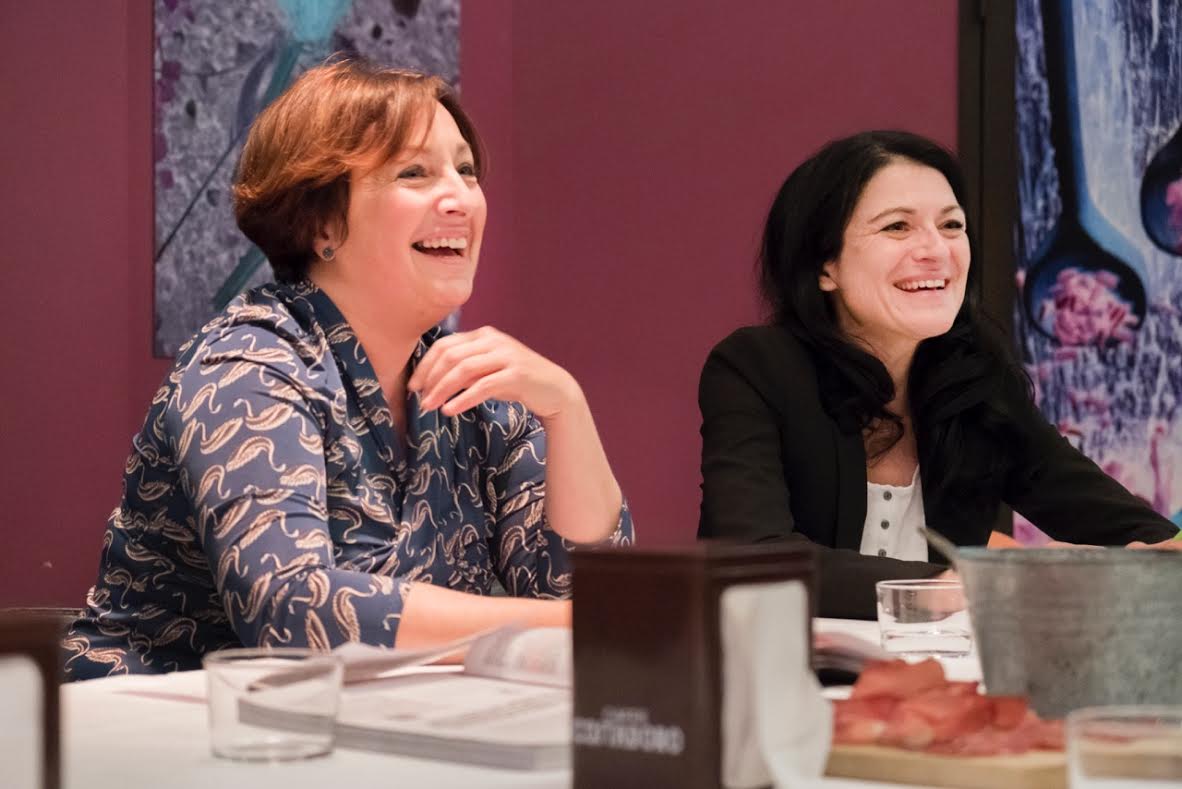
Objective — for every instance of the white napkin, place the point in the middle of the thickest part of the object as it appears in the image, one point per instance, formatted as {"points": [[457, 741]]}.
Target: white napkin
{"points": [[21, 687], [776, 725]]}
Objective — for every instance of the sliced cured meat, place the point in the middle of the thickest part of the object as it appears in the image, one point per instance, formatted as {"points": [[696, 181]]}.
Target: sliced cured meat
{"points": [[1044, 735], [898, 678], [879, 707], [1008, 711], [962, 688], [986, 742], [861, 721], [913, 706], [907, 729], [858, 731], [950, 715]]}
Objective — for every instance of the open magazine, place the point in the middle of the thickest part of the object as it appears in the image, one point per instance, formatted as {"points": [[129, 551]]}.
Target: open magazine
{"points": [[838, 658], [508, 706]]}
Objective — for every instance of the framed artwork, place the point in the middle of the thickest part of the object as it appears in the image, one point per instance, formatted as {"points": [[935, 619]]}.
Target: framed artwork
{"points": [[217, 65], [1084, 187]]}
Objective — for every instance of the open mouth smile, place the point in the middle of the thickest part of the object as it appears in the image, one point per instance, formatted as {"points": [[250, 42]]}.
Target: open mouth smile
{"points": [[442, 247], [916, 285]]}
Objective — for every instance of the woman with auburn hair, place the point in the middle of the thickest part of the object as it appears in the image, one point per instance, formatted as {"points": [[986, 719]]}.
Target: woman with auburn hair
{"points": [[877, 401], [325, 463]]}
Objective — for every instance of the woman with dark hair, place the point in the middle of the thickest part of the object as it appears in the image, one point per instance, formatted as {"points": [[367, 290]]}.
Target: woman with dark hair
{"points": [[326, 463], [877, 400]]}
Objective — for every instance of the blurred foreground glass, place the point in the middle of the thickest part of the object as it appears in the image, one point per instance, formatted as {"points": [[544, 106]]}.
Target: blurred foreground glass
{"points": [[272, 704], [923, 618], [1127, 747]]}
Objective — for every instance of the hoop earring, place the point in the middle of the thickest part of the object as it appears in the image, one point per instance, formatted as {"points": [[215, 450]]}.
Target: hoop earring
{"points": [[328, 253]]}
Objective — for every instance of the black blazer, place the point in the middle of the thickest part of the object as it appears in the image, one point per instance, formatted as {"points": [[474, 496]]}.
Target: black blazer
{"points": [[775, 465]]}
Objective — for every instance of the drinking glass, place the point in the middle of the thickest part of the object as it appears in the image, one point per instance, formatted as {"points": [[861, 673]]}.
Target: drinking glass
{"points": [[272, 704], [925, 617], [1136, 747]]}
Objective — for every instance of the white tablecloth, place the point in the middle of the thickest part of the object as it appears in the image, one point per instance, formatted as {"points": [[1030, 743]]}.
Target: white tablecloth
{"points": [[152, 732]]}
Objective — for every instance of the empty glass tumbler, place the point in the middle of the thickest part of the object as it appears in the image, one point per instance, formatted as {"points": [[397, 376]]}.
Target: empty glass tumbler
{"points": [[272, 704]]}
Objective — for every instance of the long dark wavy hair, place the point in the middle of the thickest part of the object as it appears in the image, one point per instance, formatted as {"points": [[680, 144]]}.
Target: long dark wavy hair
{"points": [[964, 386]]}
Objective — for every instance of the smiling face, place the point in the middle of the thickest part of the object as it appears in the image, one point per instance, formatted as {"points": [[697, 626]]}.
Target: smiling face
{"points": [[901, 273], [415, 225]]}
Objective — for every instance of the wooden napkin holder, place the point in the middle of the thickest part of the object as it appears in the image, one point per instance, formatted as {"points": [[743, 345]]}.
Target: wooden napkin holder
{"points": [[648, 659], [36, 637]]}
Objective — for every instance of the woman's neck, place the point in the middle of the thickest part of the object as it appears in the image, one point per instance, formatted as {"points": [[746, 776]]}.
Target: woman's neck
{"points": [[899, 370], [388, 338], [896, 357], [896, 464]]}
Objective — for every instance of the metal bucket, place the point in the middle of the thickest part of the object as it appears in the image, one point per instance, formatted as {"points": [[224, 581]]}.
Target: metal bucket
{"points": [[1077, 628]]}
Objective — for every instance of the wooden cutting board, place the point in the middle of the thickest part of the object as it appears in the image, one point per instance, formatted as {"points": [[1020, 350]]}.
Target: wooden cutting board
{"points": [[1031, 770]]}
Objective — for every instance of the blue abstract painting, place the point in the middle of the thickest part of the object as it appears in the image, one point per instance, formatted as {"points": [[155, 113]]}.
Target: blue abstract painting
{"points": [[217, 65]]}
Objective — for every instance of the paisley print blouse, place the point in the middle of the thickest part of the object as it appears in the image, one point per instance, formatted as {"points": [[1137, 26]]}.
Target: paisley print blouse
{"points": [[269, 500]]}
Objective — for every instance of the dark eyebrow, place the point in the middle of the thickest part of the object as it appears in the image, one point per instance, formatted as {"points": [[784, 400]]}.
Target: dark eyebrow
{"points": [[910, 211]]}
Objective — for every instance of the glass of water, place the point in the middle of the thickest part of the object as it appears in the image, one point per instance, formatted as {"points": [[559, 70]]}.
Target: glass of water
{"points": [[272, 704], [925, 617], [1126, 747]]}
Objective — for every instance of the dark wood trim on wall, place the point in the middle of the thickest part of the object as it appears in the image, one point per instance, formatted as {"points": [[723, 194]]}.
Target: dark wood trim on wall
{"points": [[987, 144]]}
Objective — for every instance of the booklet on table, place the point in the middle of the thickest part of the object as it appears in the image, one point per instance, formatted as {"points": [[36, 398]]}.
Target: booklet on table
{"points": [[508, 705]]}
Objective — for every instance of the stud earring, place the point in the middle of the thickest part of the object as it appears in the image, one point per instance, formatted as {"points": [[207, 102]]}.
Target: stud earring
{"points": [[327, 253]]}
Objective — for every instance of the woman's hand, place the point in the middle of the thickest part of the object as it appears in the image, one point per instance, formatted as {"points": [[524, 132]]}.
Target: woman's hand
{"points": [[1005, 542], [459, 371], [434, 615], [1174, 544], [464, 369], [943, 601]]}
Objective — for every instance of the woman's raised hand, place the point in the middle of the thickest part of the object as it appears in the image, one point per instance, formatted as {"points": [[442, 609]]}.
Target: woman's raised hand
{"points": [[1174, 544], [464, 369]]}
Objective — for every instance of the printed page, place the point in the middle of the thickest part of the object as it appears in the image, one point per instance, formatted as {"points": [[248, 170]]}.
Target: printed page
{"points": [[539, 656], [364, 662], [845, 651], [456, 706]]}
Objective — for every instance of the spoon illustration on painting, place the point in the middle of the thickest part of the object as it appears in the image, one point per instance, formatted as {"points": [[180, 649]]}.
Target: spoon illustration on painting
{"points": [[1085, 284], [1161, 196]]}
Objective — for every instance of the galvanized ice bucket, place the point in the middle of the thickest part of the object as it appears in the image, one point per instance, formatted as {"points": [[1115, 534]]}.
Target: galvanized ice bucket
{"points": [[1075, 628]]}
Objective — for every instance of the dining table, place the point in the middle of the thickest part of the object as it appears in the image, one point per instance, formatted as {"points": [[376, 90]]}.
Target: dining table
{"points": [[152, 731]]}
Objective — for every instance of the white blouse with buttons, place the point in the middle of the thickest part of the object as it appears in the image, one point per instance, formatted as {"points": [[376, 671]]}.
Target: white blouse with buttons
{"points": [[894, 516]]}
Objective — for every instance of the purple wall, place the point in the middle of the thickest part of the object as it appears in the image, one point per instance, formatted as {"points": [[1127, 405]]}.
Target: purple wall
{"points": [[77, 216], [634, 153]]}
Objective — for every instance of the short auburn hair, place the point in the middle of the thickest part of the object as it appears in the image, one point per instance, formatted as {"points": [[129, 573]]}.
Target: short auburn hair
{"points": [[293, 177]]}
